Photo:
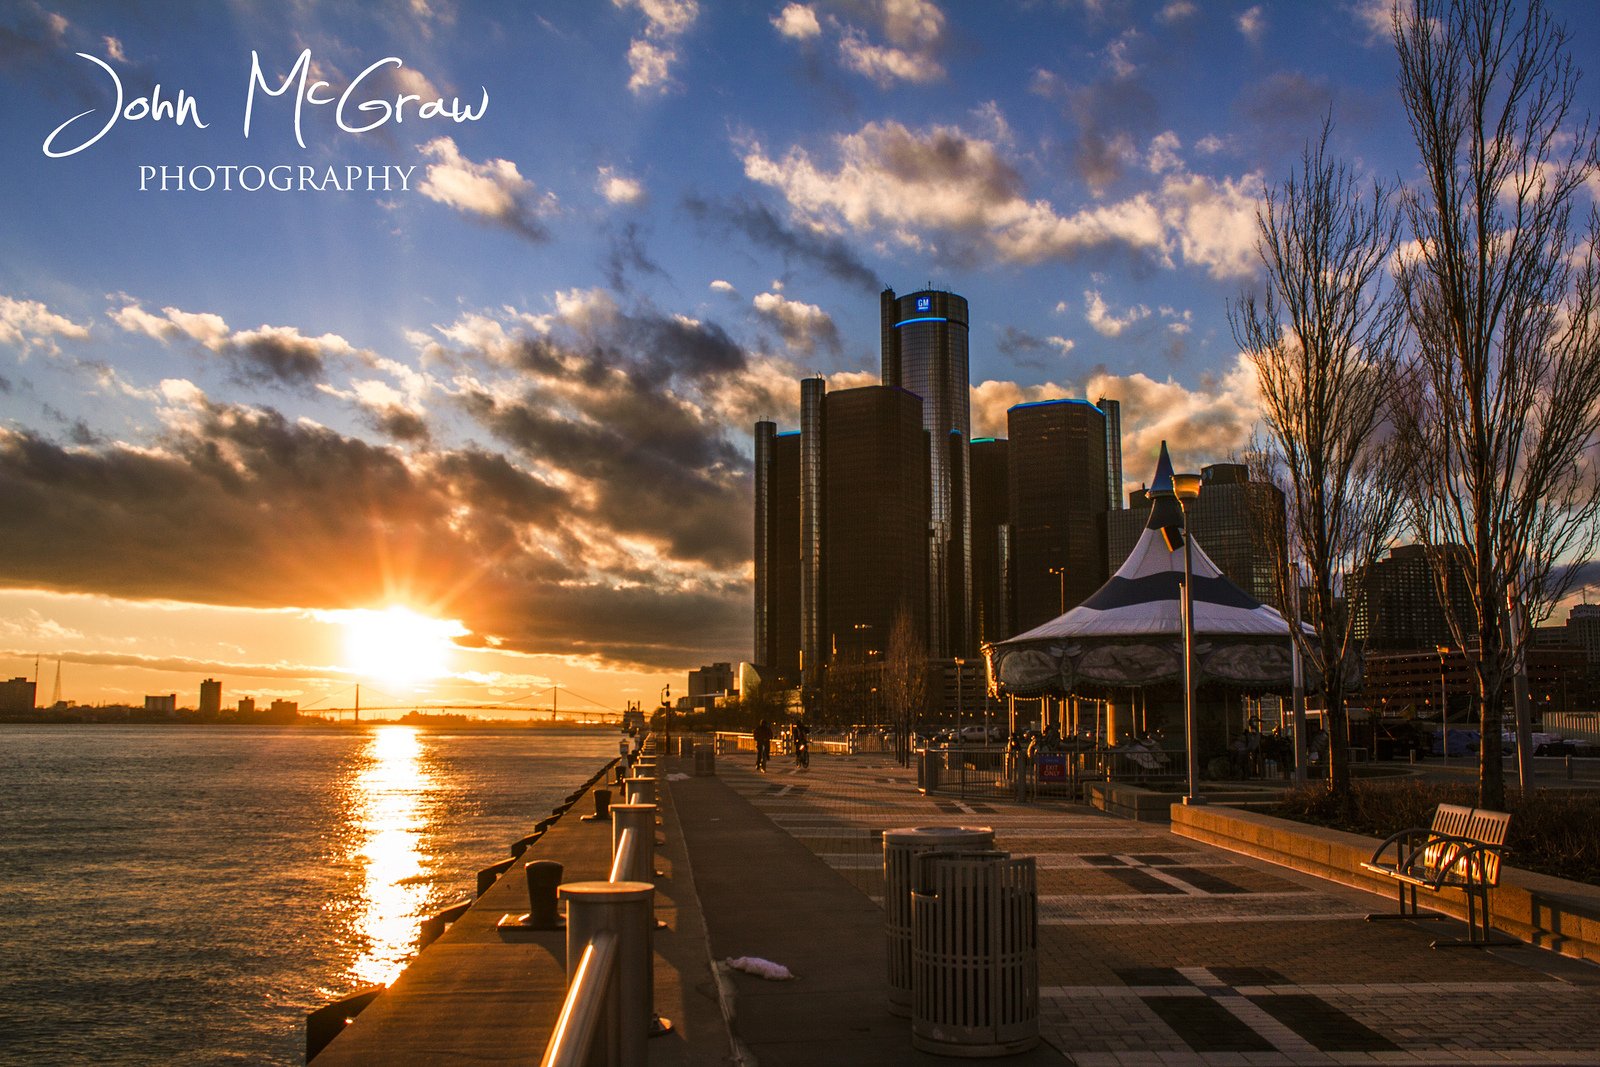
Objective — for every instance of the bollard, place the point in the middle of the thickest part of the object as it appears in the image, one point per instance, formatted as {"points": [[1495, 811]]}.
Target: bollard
{"points": [[543, 878], [602, 806], [641, 790], [622, 909], [640, 818], [1568, 762]]}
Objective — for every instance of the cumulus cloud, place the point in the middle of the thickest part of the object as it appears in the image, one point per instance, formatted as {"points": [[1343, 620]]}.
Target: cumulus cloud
{"points": [[719, 285], [798, 21], [1106, 322], [802, 326], [1176, 11], [650, 57], [618, 189], [886, 41], [1252, 24], [264, 355], [952, 195], [29, 324], [494, 191], [824, 252]]}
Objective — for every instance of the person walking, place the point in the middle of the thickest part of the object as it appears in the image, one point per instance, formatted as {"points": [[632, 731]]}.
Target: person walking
{"points": [[763, 744], [800, 735]]}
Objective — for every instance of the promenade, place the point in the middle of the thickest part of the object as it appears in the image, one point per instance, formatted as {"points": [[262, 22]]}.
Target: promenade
{"points": [[1153, 949]]}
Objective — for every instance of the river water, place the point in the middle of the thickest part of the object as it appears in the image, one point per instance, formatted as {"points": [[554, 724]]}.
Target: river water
{"points": [[185, 894]]}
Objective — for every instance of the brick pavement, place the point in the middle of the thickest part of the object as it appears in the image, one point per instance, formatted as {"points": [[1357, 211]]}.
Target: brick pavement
{"points": [[1155, 950]]}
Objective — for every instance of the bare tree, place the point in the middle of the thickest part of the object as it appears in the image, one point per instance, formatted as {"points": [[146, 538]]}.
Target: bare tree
{"points": [[905, 679], [1500, 291], [1324, 339]]}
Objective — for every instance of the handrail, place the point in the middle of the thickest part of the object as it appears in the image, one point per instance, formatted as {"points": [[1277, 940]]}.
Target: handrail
{"points": [[625, 862], [580, 1015]]}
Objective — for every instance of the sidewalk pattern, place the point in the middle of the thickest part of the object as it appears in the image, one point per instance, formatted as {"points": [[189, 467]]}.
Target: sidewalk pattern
{"points": [[1157, 951]]}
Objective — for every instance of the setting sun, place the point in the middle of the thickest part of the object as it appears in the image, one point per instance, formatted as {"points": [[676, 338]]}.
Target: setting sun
{"points": [[398, 645]]}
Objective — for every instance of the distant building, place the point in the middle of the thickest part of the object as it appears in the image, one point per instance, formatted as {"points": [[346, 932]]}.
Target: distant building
{"points": [[1113, 414], [777, 553], [709, 684], [1058, 503], [1583, 632], [991, 539], [161, 705], [210, 697], [1415, 681], [1238, 521], [247, 705], [1396, 601], [284, 709], [18, 695]]}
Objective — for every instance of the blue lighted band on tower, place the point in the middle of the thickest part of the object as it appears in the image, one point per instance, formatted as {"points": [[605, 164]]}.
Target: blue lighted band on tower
{"points": [[929, 318]]}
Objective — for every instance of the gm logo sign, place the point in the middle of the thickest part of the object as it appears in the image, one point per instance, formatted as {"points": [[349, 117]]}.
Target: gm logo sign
{"points": [[924, 303]]}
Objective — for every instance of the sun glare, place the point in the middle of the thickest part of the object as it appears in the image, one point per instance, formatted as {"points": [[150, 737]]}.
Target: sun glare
{"points": [[397, 645]]}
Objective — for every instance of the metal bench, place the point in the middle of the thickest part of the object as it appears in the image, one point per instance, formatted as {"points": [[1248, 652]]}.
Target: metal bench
{"points": [[1461, 850]]}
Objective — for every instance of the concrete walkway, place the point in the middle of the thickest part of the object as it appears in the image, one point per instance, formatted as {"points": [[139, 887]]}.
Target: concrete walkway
{"points": [[1153, 949]]}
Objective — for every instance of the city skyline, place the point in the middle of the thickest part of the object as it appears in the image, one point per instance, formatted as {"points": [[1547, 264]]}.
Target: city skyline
{"points": [[495, 361]]}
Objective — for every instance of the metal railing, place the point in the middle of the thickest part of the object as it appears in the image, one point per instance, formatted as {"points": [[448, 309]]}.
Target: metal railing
{"points": [[607, 1016], [995, 771]]}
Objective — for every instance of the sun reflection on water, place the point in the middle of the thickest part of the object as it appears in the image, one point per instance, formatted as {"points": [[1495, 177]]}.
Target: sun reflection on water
{"points": [[388, 820]]}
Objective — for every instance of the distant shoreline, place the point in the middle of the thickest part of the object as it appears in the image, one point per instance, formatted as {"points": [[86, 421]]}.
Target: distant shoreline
{"points": [[448, 722]]}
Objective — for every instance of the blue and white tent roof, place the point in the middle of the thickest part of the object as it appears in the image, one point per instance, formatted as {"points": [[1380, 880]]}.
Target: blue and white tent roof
{"points": [[1130, 630]]}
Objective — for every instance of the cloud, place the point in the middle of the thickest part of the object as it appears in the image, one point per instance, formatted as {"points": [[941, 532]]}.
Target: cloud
{"points": [[29, 324], [626, 252], [889, 41], [1029, 350], [798, 21], [718, 285], [494, 191], [264, 355], [1201, 424], [618, 189], [1253, 24], [756, 221], [802, 326], [1104, 321], [1214, 221], [650, 57], [1176, 11]]}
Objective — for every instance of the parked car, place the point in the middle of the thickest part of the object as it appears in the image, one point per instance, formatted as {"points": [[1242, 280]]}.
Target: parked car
{"points": [[974, 735]]}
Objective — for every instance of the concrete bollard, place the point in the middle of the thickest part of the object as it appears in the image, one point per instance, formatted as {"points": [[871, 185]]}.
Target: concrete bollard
{"points": [[640, 818], [623, 909], [544, 876], [641, 790], [602, 806]]}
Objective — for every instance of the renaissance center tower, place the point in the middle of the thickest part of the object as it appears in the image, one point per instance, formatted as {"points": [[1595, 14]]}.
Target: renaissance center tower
{"points": [[924, 348]]}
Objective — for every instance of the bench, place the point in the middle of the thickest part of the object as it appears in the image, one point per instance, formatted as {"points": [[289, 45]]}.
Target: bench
{"points": [[1461, 850]]}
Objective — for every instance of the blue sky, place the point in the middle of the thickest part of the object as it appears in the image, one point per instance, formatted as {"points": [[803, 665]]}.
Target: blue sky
{"points": [[518, 393]]}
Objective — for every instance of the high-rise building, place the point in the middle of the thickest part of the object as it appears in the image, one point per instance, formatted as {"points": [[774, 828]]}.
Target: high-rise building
{"points": [[924, 350], [1397, 605], [210, 697], [1239, 521], [1583, 632], [1113, 414], [777, 554], [812, 649], [875, 527], [17, 695], [991, 539], [1058, 507]]}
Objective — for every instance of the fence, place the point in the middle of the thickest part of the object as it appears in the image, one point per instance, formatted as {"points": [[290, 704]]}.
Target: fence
{"points": [[1584, 725], [995, 771]]}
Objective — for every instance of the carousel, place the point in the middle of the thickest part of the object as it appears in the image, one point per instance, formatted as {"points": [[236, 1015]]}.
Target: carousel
{"points": [[1124, 646]]}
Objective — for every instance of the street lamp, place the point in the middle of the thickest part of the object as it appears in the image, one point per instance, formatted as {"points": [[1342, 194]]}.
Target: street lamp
{"points": [[1185, 488], [1444, 705], [1061, 575]]}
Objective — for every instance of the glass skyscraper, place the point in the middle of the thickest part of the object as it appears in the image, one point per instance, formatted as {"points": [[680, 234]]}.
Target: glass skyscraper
{"points": [[924, 341]]}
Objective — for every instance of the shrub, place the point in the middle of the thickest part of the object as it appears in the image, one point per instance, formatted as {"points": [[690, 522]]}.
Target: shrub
{"points": [[1555, 832]]}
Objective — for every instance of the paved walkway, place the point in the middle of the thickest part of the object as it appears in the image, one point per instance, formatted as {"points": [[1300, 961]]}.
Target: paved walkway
{"points": [[1154, 950]]}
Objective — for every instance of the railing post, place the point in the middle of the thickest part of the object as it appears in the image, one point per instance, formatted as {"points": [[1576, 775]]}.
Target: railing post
{"points": [[641, 790], [625, 910], [640, 818]]}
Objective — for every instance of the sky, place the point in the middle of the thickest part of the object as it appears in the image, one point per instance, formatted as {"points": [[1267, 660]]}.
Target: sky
{"points": [[440, 374]]}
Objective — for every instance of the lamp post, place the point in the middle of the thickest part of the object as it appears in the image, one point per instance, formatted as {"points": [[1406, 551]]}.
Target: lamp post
{"points": [[1185, 488], [1444, 703], [1061, 577]]}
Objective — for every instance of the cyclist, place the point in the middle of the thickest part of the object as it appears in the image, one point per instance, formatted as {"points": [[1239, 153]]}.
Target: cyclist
{"points": [[763, 745]]}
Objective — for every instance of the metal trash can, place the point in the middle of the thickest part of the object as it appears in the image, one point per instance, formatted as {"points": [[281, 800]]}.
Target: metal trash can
{"points": [[929, 761], [975, 955], [900, 851], [705, 761]]}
